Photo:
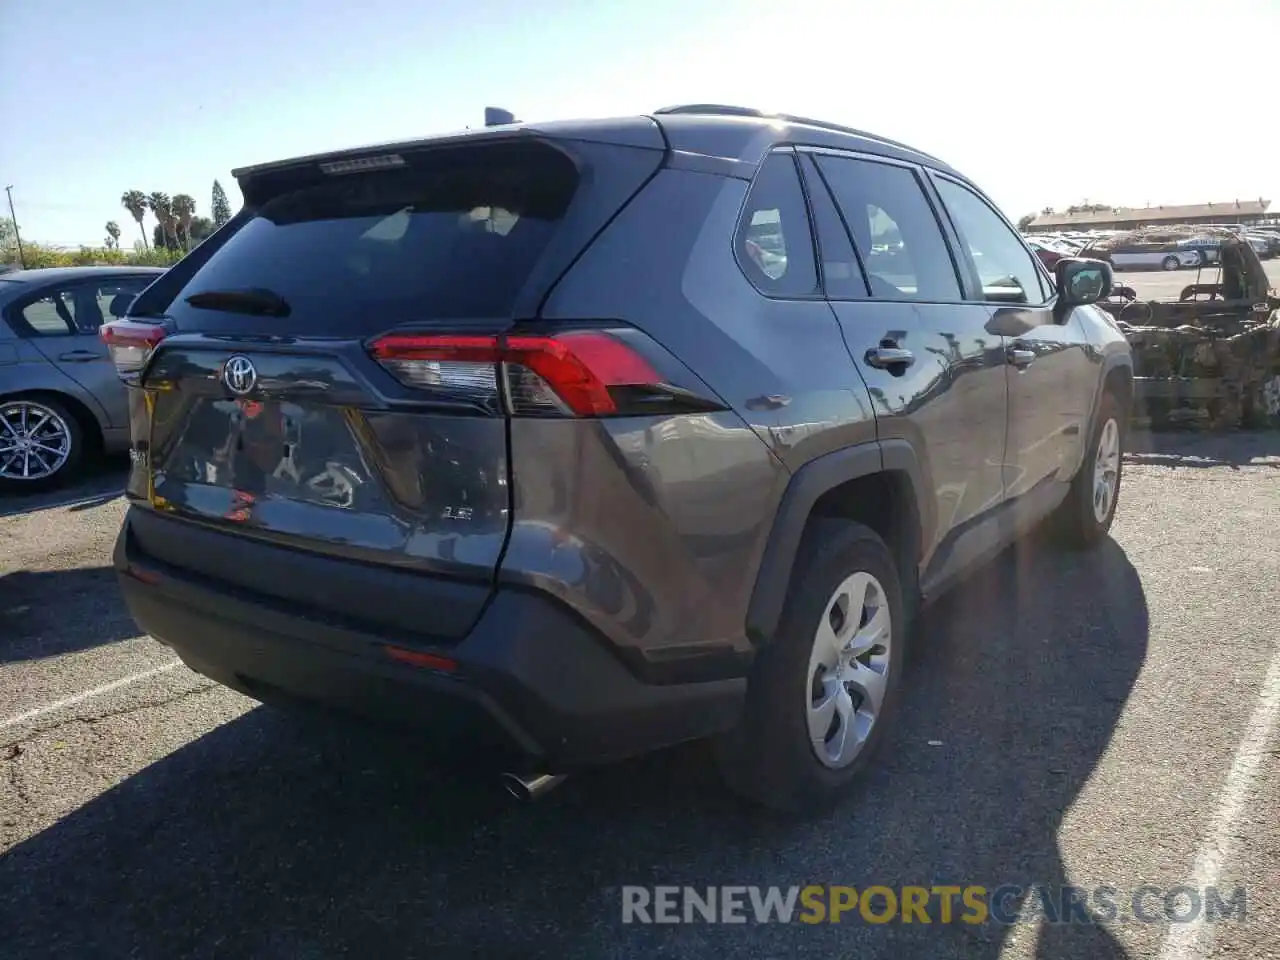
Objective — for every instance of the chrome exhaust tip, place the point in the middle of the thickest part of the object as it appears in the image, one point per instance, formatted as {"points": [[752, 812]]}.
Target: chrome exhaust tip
{"points": [[528, 789]]}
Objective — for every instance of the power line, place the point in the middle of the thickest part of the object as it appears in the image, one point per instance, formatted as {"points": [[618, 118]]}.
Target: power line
{"points": [[22, 256]]}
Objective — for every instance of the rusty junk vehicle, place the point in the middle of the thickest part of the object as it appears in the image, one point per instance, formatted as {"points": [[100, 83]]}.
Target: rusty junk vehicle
{"points": [[1211, 358]]}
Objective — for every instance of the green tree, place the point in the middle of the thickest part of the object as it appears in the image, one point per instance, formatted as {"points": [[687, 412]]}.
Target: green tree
{"points": [[161, 207], [161, 240], [221, 208], [113, 235], [183, 208], [201, 228], [135, 201]]}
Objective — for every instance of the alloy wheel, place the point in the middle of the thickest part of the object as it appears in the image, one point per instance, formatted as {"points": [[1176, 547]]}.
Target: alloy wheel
{"points": [[1106, 470], [35, 441]]}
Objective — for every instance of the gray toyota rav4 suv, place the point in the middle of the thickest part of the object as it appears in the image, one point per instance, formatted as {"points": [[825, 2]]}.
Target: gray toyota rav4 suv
{"points": [[563, 442]]}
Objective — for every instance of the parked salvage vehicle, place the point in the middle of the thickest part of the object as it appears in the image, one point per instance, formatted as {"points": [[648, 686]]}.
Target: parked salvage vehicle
{"points": [[1049, 251], [1267, 244], [1206, 247], [1148, 255], [1212, 356]]}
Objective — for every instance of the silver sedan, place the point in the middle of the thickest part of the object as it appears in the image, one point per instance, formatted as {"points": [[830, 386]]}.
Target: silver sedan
{"points": [[60, 398]]}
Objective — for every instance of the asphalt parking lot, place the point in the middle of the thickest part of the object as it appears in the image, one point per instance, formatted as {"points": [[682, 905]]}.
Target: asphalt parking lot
{"points": [[1106, 719], [1167, 285]]}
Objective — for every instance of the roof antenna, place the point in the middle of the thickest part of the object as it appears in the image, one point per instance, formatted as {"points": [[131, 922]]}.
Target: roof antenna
{"points": [[496, 117]]}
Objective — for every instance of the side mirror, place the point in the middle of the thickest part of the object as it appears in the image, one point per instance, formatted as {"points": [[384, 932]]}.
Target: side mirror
{"points": [[1082, 281]]}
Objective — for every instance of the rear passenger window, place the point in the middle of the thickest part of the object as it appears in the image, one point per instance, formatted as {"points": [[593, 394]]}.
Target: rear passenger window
{"points": [[113, 299], [774, 245], [53, 315], [894, 229], [1006, 269], [841, 274]]}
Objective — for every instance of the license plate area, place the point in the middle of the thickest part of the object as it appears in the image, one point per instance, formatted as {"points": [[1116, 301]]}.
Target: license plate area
{"points": [[251, 450]]}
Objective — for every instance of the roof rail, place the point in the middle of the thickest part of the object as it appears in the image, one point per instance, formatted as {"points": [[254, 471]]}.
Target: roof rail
{"points": [[714, 109], [725, 110]]}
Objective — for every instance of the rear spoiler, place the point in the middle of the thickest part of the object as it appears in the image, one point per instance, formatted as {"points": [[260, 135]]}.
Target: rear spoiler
{"points": [[640, 132]]}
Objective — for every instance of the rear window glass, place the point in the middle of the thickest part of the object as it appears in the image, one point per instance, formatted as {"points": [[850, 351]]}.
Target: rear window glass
{"points": [[454, 235]]}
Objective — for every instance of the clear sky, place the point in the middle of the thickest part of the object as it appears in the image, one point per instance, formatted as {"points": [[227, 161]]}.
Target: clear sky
{"points": [[1041, 103]]}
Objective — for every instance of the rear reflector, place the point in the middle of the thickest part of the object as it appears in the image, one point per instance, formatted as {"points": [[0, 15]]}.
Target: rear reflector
{"points": [[131, 343], [575, 373], [142, 576], [419, 658]]}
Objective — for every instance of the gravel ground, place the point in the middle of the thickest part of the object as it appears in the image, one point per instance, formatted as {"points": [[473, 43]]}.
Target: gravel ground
{"points": [[1106, 719]]}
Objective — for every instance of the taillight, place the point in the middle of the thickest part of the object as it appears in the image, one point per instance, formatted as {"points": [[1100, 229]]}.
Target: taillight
{"points": [[583, 373], [131, 343]]}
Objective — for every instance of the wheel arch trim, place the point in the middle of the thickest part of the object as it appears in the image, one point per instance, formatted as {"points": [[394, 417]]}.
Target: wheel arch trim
{"points": [[803, 491]]}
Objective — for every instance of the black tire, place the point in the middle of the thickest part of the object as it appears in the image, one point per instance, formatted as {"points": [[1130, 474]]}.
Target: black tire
{"points": [[1076, 524], [1170, 263], [75, 455], [769, 759]]}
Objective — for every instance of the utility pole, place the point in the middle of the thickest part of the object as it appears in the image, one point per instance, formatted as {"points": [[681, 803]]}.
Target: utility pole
{"points": [[22, 257]]}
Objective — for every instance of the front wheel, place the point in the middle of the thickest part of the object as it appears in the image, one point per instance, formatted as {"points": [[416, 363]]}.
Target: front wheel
{"points": [[1085, 516], [1170, 263], [41, 444], [821, 693]]}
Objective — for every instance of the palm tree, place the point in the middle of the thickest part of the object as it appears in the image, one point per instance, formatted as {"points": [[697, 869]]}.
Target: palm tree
{"points": [[135, 201], [184, 210], [160, 205], [113, 235]]}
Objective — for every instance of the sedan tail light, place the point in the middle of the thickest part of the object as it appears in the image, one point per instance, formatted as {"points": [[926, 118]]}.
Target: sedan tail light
{"points": [[131, 343]]}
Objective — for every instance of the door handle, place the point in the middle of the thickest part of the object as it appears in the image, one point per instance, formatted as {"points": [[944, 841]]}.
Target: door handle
{"points": [[893, 359], [1020, 357], [78, 356]]}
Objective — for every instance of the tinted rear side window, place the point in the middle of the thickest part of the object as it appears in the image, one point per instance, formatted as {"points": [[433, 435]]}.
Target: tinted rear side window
{"points": [[774, 243], [450, 236], [842, 277]]}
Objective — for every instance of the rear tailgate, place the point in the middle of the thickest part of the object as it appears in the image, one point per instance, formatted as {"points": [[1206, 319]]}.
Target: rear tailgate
{"points": [[262, 415]]}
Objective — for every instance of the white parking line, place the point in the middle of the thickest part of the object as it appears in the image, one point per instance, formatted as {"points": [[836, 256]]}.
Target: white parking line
{"points": [[88, 694], [1187, 941]]}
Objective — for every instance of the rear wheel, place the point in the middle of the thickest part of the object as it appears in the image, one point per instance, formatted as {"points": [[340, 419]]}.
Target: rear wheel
{"points": [[1085, 517], [41, 444], [821, 693]]}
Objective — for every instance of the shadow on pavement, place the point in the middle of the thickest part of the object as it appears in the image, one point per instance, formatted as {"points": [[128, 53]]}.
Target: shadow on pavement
{"points": [[99, 483], [267, 837], [1188, 449], [52, 612]]}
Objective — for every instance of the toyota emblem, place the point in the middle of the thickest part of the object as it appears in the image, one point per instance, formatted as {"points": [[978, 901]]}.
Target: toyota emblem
{"points": [[239, 375]]}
